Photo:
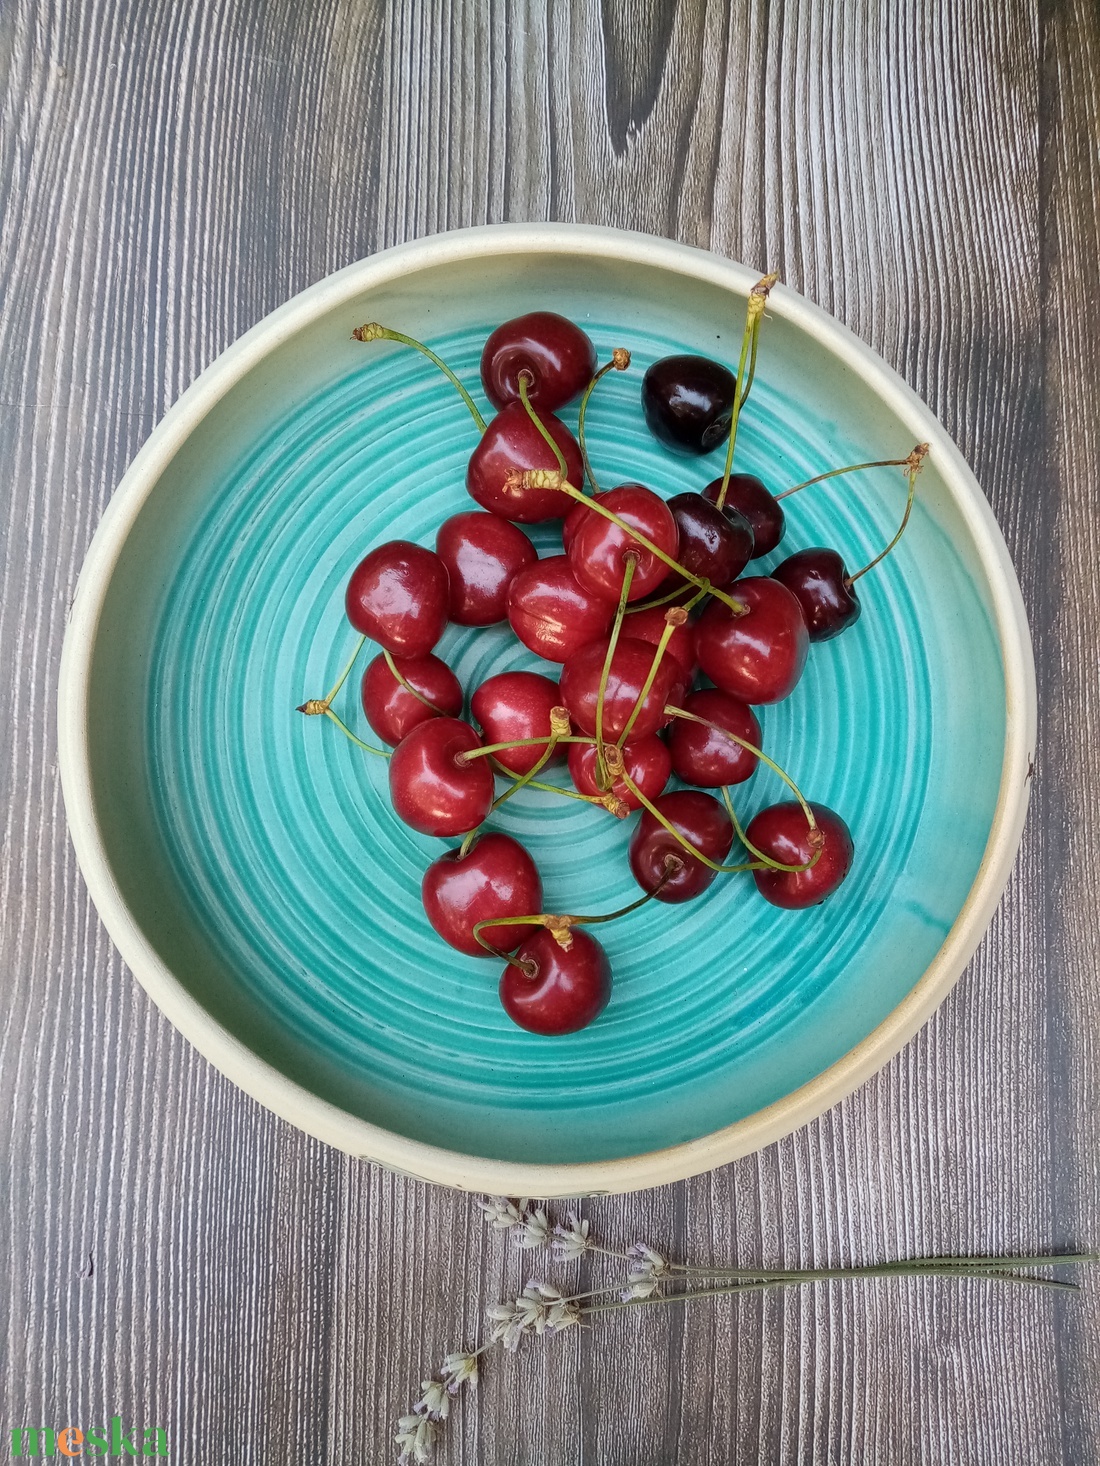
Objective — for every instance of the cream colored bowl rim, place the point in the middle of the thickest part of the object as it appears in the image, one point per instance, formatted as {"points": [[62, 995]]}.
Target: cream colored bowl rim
{"points": [[359, 1137]]}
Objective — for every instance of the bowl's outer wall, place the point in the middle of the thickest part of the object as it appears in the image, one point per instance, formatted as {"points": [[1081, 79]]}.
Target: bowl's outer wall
{"points": [[106, 671]]}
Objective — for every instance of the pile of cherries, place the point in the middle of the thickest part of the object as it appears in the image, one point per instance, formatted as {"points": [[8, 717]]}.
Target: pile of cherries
{"points": [[645, 594]]}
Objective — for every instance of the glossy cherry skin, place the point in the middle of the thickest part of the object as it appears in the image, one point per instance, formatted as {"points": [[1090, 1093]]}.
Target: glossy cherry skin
{"points": [[702, 821], [688, 402], [514, 705], [512, 441], [819, 583], [433, 788], [558, 357], [646, 760], [397, 595], [551, 614], [703, 757], [650, 626], [562, 990], [483, 553], [782, 832], [713, 544], [392, 711], [496, 877], [598, 550], [758, 657], [580, 687], [750, 498]]}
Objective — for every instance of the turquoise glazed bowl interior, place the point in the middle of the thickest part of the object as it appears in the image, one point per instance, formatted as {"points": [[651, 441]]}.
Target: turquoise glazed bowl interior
{"points": [[248, 860]]}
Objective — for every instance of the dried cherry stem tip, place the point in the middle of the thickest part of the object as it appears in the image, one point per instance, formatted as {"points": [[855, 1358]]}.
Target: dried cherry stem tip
{"points": [[315, 707], [547, 478]]}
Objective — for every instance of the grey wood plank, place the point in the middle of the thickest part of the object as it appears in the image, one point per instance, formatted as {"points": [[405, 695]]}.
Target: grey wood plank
{"points": [[172, 172]]}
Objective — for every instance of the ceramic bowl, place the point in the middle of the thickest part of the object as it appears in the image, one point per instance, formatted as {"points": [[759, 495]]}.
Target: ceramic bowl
{"points": [[246, 860]]}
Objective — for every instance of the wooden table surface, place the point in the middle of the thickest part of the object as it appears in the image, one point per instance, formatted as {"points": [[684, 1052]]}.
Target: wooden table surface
{"points": [[170, 171]]}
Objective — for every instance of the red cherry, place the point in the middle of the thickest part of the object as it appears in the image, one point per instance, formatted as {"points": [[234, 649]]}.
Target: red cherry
{"points": [[561, 990], [515, 705], [551, 614], [580, 687], [749, 497], [702, 821], [757, 657], [495, 877], [713, 544], [433, 788], [397, 595], [512, 441], [392, 711], [819, 583], [482, 553], [558, 357], [649, 625], [702, 756], [688, 402], [782, 832], [598, 550], [647, 761]]}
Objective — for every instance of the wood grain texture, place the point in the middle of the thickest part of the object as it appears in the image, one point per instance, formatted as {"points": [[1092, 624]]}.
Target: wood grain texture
{"points": [[172, 171]]}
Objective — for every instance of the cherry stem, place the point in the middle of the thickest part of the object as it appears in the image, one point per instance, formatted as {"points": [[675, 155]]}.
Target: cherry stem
{"points": [[559, 726], [677, 834], [763, 861], [314, 706], [752, 366], [674, 618], [620, 360], [374, 332], [559, 925], [754, 311], [486, 748], [407, 685], [525, 380], [603, 779], [541, 478], [381, 752], [915, 462], [848, 468], [752, 748], [705, 589]]}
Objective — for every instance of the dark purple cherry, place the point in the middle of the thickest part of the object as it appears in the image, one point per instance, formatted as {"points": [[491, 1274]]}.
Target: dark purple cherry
{"points": [[515, 705], [482, 553], [598, 549], [558, 989], [819, 583], [702, 756], [397, 595], [512, 441], [703, 823], [688, 402], [646, 760], [558, 357], [495, 877], [783, 832], [551, 614], [433, 787], [757, 657], [750, 498], [392, 710], [630, 664], [713, 543]]}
